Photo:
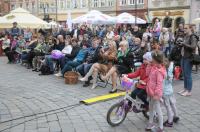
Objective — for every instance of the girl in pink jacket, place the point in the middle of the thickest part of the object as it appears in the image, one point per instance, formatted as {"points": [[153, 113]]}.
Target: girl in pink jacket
{"points": [[156, 73]]}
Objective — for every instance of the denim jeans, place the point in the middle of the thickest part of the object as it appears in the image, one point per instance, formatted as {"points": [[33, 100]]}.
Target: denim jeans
{"points": [[49, 62], [187, 73], [84, 68], [69, 66], [62, 61]]}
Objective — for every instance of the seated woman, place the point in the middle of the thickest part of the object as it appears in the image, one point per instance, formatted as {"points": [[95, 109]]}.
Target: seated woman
{"points": [[6, 43], [108, 56], [123, 66]]}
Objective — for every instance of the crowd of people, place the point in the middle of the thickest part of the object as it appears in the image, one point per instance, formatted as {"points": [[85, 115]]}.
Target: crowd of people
{"points": [[111, 52]]}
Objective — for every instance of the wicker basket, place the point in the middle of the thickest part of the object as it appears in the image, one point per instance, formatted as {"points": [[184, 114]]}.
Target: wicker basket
{"points": [[71, 77]]}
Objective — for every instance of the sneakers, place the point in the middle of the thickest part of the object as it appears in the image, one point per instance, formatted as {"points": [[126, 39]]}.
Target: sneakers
{"points": [[149, 127], [182, 91], [58, 74], [176, 119], [186, 93], [168, 124], [84, 79], [157, 129]]}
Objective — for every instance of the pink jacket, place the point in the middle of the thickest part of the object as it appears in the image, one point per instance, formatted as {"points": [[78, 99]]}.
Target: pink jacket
{"points": [[156, 75]]}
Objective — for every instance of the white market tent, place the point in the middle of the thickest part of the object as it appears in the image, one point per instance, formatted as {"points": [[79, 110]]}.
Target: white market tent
{"points": [[197, 20], [126, 18], [94, 17], [24, 19]]}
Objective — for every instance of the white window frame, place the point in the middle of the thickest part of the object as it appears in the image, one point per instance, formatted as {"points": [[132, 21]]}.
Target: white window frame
{"points": [[140, 1]]}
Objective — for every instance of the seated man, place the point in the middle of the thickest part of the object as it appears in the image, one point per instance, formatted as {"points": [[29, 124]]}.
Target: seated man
{"points": [[92, 58], [79, 59]]}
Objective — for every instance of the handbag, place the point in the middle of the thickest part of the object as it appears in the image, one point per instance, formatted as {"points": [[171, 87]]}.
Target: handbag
{"points": [[195, 59]]}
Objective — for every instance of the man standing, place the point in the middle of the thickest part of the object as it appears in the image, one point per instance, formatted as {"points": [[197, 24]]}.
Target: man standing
{"points": [[15, 31]]}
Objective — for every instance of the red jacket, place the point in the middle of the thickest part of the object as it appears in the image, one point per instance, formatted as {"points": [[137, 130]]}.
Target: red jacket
{"points": [[141, 72]]}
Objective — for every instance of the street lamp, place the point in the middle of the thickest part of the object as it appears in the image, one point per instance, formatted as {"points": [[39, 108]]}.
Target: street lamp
{"points": [[56, 10], [135, 12]]}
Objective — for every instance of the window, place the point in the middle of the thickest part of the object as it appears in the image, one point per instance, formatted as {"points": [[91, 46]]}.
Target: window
{"points": [[132, 2], [102, 3], [20, 5], [27, 5], [95, 3], [140, 1], [75, 4], [123, 2], [33, 5], [83, 3], [12, 7], [68, 4], [110, 3], [62, 4]]}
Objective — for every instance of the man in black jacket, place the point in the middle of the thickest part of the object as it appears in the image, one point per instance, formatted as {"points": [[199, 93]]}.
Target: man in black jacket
{"points": [[91, 58]]}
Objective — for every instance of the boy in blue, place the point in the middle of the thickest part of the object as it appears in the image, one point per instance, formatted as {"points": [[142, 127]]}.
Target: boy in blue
{"points": [[79, 59]]}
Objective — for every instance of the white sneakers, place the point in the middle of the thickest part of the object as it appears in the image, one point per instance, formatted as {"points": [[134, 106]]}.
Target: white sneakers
{"points": [[59, 74], [84, 79]]}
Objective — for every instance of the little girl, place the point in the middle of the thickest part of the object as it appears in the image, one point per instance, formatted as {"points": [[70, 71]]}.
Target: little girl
{"points": [[156, 73], [168, 97]]}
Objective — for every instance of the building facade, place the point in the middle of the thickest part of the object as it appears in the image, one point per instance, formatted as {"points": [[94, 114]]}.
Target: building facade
{"points": [[58, 9], [171, 12], [195, 12], [134, 7], [4, 7]]}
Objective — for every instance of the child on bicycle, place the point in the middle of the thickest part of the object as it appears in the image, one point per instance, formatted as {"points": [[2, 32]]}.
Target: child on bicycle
{"points": [[168, 97], [156, 73], [140, 86]]}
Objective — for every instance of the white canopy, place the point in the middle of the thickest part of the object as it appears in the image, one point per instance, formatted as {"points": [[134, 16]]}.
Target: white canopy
{"points": [[127, 18], [94, 17], [24, 19], [197, 20]]}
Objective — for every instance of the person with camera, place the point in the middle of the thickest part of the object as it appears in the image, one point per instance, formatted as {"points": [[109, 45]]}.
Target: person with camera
{"points": [[188, 47]]}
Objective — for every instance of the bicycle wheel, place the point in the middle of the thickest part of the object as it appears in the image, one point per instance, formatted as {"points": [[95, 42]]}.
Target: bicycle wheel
{"points": [[116, 114]]}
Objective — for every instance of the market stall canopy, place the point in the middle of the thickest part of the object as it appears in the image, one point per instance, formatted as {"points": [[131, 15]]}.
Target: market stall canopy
{"points": [[126, 18], [53, 24], [94, 17], [24, 19], [197, 20]]}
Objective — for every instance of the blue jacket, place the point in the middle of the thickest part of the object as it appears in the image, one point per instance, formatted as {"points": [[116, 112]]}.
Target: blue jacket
{"points": [[167, 86], [81, 55]]}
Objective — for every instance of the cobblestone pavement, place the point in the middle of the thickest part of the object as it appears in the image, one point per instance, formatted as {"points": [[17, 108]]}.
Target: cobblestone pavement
{"points": [[24, 93]]}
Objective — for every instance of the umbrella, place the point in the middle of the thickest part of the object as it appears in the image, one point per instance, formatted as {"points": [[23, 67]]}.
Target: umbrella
{"points": [[197, 20], [94, 17], [127, 18], [24, 19]]}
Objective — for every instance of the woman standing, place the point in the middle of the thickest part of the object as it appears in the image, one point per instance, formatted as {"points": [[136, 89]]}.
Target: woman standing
{"points": [[188, 47]]}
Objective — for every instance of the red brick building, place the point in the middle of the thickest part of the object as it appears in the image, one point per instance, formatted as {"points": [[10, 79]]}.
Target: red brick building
{"points": [[4, 7]]}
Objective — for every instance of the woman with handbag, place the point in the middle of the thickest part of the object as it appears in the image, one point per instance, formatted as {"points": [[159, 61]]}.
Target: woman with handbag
{"points": [[188, 48]]}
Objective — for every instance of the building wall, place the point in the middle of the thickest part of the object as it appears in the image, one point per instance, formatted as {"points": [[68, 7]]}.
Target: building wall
{"points": [[173, 9], [130, 6], [76, 7], [4, 7], [30, 5], [195, 12]]}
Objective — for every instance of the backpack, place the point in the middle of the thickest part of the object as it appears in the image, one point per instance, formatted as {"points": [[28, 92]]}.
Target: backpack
{"points": [[195, 59], [45, 70]]}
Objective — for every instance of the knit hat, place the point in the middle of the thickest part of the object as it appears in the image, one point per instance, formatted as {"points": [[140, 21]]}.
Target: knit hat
{"points": [[148, 56]]}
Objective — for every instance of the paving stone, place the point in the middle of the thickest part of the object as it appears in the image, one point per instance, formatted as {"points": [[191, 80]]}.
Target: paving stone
{"points": [[50, 93]]}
